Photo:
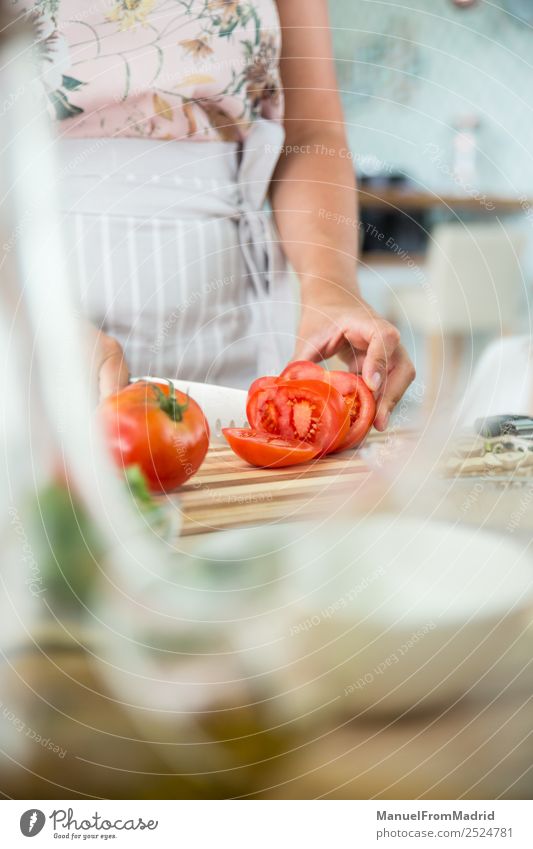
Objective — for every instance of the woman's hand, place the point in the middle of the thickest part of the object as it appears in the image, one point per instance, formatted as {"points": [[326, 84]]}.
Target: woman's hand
{"points": [[339, 322], [108, 369]]}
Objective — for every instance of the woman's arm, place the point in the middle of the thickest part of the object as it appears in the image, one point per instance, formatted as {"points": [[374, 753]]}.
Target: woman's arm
{"points": [[315, 206]]}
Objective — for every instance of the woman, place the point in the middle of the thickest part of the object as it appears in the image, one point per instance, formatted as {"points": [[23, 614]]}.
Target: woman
{"points": [[173, 128]]}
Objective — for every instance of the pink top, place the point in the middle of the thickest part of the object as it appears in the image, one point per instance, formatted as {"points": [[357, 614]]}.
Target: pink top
{"points": [[162, 69]]}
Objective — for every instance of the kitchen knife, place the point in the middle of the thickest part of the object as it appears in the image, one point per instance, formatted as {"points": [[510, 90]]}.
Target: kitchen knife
{"points": [[511, 425]]}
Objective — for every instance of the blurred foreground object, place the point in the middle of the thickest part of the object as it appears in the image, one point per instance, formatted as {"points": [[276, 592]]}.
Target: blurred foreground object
{"points": [[86, 579]]}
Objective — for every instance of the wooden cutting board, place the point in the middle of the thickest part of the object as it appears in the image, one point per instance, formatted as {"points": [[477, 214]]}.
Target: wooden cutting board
{"points": [[228, 493]]}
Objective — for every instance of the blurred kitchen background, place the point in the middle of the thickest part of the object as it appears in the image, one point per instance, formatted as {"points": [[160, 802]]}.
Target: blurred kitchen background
{"points": [[440, 122]]}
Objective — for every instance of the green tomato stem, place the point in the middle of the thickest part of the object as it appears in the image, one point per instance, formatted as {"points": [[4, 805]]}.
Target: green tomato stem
{"points": [[169, 404]]}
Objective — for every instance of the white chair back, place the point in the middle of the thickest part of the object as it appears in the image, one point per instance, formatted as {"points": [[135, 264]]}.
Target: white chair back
{"points": [[474, 277]]}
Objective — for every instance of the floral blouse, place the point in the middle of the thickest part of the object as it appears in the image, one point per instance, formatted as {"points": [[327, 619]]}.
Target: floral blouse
{"points": [[162, 69]]}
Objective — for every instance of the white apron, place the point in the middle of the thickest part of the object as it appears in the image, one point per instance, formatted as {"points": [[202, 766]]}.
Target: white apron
{"points": [[175, 255]]}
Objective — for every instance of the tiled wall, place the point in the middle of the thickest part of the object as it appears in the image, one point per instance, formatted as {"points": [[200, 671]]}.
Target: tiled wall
{"points": [[409, 69]]}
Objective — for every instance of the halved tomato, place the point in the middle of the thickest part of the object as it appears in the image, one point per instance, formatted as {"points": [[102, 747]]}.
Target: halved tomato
{"points": [[357, 396], [310, 411], [265, 450]]}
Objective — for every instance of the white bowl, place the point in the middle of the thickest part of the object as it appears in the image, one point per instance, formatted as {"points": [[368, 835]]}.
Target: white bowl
{"points": [[398, 613], [384, 613]]}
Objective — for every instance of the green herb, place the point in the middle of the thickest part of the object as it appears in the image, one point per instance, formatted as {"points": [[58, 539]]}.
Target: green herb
{"points": [[66, 545], [156, 514]]}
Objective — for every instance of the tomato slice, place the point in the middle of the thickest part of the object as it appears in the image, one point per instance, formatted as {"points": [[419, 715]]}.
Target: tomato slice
{"points": [[310, 411], [360, 404], [265, 450]]}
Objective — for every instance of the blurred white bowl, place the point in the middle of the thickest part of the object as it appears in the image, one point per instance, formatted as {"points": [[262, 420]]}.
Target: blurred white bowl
{"points": [[402, 613], [385, 613]]}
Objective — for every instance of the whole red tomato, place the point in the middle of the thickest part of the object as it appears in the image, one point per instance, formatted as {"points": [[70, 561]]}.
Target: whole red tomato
{"points": [[157, 428]]}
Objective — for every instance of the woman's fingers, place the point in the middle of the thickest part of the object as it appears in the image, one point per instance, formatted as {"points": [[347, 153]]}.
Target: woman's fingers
{"points": [[318, 338], [396, 382], [383, 343], [108, 369], [113, 372], [368, 344]]}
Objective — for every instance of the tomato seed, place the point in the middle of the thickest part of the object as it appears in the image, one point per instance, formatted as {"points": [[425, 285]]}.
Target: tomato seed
{"points": [[269, 417], [302, 419]]}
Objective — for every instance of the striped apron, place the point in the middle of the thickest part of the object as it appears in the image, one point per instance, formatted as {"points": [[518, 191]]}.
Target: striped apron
{"points": [[175, 255]]}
